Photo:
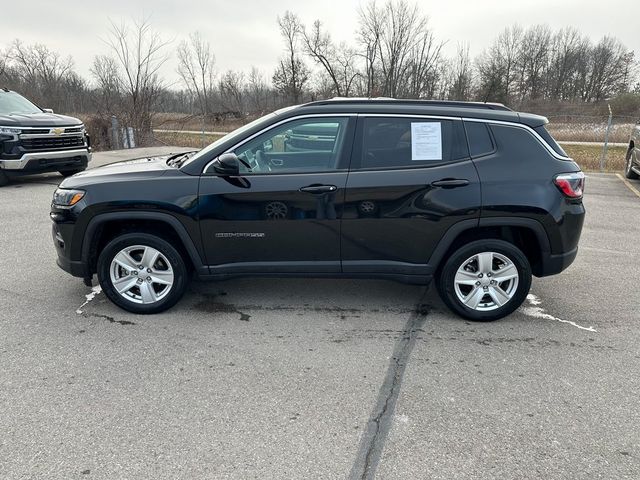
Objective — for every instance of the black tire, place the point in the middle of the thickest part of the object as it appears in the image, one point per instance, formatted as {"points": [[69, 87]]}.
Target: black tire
{"points": [[446, 284], [630, 174], [4, 179], [177, 264], [68, 173]]}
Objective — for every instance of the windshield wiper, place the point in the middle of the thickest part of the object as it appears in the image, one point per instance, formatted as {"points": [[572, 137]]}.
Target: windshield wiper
{"points": [[178, 159]]}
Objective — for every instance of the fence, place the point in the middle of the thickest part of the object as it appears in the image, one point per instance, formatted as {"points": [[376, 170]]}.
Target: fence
{"points": [[607, 134]]}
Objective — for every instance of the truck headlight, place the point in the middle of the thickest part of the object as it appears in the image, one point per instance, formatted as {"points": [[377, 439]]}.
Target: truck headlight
{"points": [[8, 133], [64, 197]]}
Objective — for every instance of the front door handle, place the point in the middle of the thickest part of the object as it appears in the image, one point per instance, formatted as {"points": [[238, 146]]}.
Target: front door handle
{"points": [[450, 182], [317, 189]]}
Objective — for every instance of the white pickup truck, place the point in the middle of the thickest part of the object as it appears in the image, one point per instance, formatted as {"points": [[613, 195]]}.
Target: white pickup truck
{"points": [[35, 140]]}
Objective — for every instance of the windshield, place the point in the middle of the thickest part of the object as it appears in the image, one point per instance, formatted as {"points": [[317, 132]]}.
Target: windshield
{"points": [[236, 133], [13, 104]]}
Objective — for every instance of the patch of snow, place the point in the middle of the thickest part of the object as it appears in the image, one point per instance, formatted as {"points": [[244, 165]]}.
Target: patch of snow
{"points": [[538, 312], [94, 291]]}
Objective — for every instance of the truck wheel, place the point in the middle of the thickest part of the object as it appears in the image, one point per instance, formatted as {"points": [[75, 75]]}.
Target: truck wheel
{"points": [[485, 280], [142, 273], [4, 179], [68, 173], [630, 174]]}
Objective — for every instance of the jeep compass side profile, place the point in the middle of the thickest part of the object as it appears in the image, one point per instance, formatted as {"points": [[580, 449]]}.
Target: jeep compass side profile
{"points": [[473, 195]]}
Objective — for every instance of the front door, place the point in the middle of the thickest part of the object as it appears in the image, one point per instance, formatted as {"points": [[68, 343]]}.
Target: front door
{"points": [[282, 214]]}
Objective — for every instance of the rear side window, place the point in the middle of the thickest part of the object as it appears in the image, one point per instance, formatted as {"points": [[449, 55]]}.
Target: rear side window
{"points": [[519, 144], [479, 138], [392, 143], [550, 140]]}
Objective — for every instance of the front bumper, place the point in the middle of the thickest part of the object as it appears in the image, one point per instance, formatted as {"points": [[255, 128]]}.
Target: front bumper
{"points": [[75, 268], [45, 161]]}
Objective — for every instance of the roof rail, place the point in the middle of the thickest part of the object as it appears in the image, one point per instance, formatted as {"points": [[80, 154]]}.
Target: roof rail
{"points": [[4, 89], [396, 101]]}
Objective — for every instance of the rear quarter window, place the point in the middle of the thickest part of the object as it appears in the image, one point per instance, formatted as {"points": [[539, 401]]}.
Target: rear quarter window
{"points": [[518, 143], [544, 133]]}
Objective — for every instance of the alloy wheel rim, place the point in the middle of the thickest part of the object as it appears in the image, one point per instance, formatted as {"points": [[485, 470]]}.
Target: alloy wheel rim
{"points": [[486, 281], [141, 274]]}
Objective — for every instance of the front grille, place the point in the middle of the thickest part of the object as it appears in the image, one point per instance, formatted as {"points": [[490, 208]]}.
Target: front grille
{"points": [[73, 130], [51, 143], [33, 131]]}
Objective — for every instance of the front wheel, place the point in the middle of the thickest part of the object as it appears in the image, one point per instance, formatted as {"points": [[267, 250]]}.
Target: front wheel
{"points": [[628, 172], [485, 280], [142, 273]]}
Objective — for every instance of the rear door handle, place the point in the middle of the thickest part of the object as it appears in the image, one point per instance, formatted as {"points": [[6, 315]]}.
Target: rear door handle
{"points": [[317, 189], [450, 182]]}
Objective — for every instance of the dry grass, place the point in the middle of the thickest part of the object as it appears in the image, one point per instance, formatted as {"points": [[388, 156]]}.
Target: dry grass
{"points": [[588, 157], [185, 139], [590, 132], [180, 121]]}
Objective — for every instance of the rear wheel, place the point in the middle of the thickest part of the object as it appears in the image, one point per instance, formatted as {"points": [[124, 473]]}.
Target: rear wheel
{"points": [[628, 172], [485, 280], [142, 273], [68, 173]]}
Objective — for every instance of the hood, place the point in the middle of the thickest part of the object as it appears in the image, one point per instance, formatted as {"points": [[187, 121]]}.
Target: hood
{"points": [[137, 169], [38, 120]]}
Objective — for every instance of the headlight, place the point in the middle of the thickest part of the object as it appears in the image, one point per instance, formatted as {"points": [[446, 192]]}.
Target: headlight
{"points": [[67, 198], [8, 133]]}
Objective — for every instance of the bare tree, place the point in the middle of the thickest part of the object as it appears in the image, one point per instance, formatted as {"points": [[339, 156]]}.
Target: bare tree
{"points": [[401, 53], [609, 62], [140, 52], [291, 74], [337, 62], [109, 84], [460, 84], [44, 74], [196, 69], [369, 37], [258, 92], [231, 88]]}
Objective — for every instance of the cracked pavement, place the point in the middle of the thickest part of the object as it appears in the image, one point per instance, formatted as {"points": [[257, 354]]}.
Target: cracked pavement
{"points": [[270, 378]]}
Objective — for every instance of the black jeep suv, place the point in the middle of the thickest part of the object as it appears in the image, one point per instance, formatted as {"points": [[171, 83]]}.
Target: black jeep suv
{"points": [[35, 140], [476, 195]]}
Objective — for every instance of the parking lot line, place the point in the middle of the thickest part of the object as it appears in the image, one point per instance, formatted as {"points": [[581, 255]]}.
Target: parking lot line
{"points": [[628, 184]]}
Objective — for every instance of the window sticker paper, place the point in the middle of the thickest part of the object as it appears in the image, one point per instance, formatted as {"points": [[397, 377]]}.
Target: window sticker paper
{"points": [[426, 141]]}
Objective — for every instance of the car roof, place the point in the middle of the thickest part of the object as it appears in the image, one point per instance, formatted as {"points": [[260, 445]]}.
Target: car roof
{"points": [[476, 110]]}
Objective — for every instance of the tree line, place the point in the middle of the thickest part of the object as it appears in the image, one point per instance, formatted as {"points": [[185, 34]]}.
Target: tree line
{"points": [[394, 53]]}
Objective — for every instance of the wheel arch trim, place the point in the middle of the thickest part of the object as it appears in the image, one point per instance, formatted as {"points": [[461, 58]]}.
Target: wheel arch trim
{"points": [[166, 218], [458, 228]]}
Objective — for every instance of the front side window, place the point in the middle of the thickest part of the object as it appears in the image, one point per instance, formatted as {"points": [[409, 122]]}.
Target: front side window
{"points": [[300, 146], [391, 143]]}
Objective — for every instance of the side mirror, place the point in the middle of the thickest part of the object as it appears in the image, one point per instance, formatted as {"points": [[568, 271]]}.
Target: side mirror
{"points": [[227, 165], [47, 110]]}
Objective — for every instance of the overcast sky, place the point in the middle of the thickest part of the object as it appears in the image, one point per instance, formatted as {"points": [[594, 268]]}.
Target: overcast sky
{"points": [[243, 33]]}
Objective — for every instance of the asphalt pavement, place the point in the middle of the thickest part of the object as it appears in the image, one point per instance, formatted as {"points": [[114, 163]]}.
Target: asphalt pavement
{"points": [[282, 378]]}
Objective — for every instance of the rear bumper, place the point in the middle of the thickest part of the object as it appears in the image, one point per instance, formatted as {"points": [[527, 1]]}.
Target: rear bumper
{"points": [[553, 264], [34, 162]]}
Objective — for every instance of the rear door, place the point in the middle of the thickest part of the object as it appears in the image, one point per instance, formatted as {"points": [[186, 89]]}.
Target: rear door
{"points": [[411, 179]]}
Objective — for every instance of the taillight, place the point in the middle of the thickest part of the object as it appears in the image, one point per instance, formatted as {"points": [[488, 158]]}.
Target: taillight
{"points": [[570, 184]]}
